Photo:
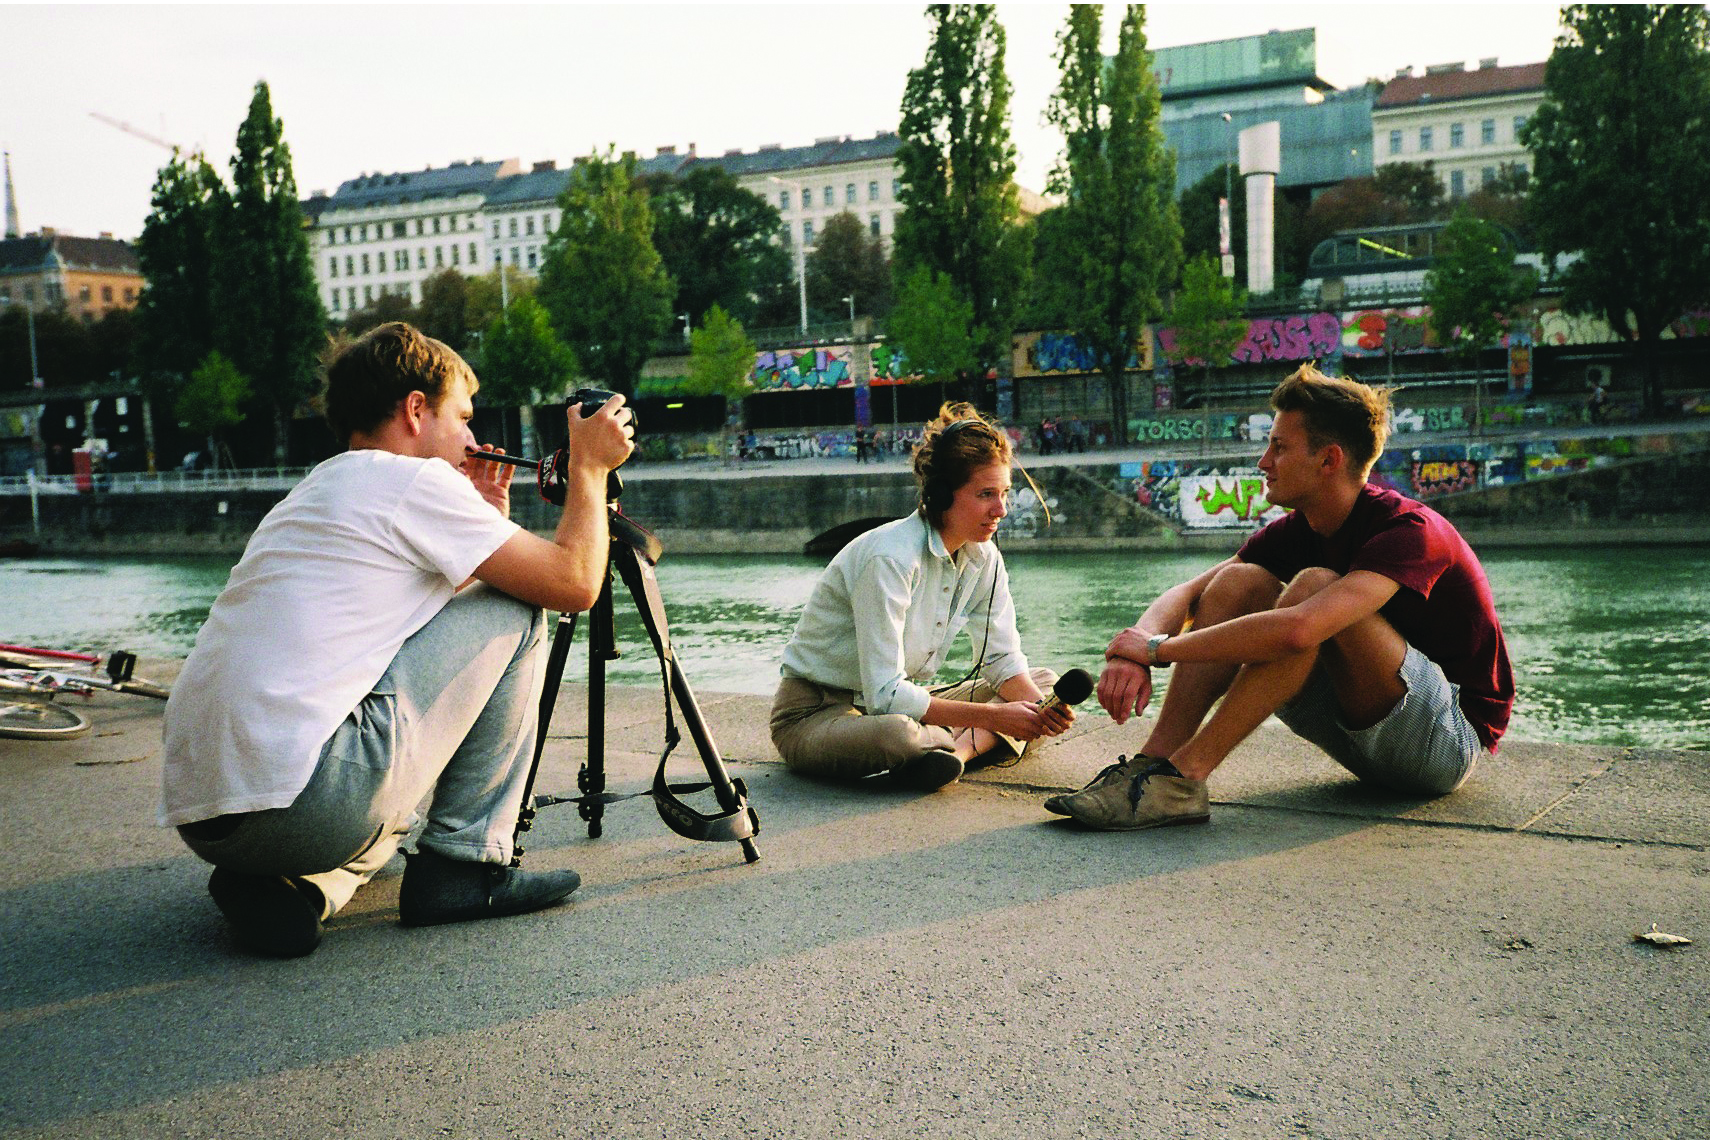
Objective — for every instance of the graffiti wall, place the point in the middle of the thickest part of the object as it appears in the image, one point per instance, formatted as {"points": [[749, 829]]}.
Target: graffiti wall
{"points": [[1199, 495], [1063, 354], [1385, 332]]}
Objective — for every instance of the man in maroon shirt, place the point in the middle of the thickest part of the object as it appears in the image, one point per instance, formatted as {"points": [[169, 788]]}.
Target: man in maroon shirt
{"points": [[1361, 619]]}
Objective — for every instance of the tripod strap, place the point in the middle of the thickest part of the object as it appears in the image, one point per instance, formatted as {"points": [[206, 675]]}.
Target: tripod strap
{"points": [[741, 822]]}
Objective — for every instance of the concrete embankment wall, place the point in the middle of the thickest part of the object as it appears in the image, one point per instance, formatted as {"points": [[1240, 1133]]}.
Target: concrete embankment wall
{"points": [[1657, 498]]}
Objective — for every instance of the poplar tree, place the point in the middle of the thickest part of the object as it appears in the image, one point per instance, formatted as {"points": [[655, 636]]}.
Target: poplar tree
{"points": [[1120, 228], [271, 324], [603, 282], [960, 205], [1619, 148]]}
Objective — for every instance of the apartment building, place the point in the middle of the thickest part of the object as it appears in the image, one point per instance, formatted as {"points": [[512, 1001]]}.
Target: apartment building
{"points": [[87, 277], [1464, 122]]}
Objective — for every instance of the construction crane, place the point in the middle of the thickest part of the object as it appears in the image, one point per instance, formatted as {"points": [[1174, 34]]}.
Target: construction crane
{"points": [[144, 135]]}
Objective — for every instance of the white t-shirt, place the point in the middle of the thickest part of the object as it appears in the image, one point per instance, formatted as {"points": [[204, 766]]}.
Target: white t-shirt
{"points": [[362, 554]]}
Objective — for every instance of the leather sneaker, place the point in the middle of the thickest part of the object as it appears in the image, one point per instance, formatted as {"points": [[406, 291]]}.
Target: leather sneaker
{"points": [[929, 771], [1110, 772], [270, 915], [1146, 793], [438, 890]]}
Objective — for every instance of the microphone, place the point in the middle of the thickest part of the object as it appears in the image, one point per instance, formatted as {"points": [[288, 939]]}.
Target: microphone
{"points": [[1071, 688]]}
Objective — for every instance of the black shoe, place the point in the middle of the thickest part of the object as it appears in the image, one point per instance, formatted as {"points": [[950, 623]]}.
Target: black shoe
{"points": [[929, 771], [270, 915], [437, 889]]}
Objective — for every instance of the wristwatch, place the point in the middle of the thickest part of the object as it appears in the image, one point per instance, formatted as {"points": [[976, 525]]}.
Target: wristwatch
{"points": [[1152, 644]]}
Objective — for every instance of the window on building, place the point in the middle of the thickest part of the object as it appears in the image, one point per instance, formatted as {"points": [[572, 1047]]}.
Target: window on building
{"points": [[1424, 138], [473, 260], [528, 226], [546, 224], [784, 201], [436, 225], [365, 270], [332, 237], [130, 295], [451, 223], [830, 197], [1519, 125], [807, 233], [896, 189], [333, 297], [421, 258], [438, 256], [516, 257], [513, 234], [533, 253], [1395, 142], [849, 194], [332, 267], [349, 266], [1487, 176], [1457, 136], [85, 294], [873, 224], [400, 229], [872, 191], [1457, 184], [1487, 132], [495, 227], [347, 235], [350, 297], [368, 294], [401, 261], [106, 292], [455, 252], [421, 226]]}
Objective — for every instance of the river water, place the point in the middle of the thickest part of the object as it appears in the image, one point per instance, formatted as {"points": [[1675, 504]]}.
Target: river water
{"points": [[1609, 644]]}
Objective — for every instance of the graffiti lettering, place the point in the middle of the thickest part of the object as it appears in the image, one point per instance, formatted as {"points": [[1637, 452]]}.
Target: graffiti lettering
{"points": [[1437, 477], [787, 370], [1291, 338], [1246, 499]]}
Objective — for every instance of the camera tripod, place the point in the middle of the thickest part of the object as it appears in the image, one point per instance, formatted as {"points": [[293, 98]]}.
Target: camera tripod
{"points": [[633, 554]]}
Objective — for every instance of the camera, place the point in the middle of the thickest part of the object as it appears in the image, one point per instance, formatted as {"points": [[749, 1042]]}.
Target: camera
{"points": [[552, 468]]}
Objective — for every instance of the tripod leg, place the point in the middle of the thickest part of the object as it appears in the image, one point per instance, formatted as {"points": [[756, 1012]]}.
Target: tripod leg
{"points": [[723, 789], [602, 647]]}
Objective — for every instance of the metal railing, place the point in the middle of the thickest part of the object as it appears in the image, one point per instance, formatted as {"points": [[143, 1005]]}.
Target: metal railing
{"points": [[142, 483]]}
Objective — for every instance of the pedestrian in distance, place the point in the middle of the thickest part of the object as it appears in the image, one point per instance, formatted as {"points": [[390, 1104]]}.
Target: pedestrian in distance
{"points": [[381, 640], [857, 696], [1362, 619]]}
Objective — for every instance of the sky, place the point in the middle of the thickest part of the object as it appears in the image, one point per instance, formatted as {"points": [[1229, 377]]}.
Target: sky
{"points": [[397, 87]]}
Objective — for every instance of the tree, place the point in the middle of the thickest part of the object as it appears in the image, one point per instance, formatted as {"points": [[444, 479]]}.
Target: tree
{"points": [[1414, 187], [212, 401], [176, 253], [721, 358], [444, 311], [523, 363], [1618, 147], [486, 295], [1119, 181], [960, 206], [1473, 287], [933, 328], [603, 282], [848, 262], [381, 310], [1207, 318], [271, 324], [720, 243]]}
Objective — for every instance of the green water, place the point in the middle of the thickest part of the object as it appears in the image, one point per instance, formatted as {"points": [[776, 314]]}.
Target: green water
{"points": [[1609, 645]]}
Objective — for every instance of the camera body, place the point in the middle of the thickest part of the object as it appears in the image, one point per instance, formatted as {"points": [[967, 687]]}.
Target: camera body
{"points": [[551, 474]]}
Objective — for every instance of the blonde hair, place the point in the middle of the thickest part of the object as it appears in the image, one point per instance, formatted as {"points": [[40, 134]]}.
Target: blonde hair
{"points": [[1337, 410]]}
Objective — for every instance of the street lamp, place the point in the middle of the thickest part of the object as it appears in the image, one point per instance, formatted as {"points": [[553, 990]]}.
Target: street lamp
{"points": [[1228, 219], [801, 250], [684, 317]]}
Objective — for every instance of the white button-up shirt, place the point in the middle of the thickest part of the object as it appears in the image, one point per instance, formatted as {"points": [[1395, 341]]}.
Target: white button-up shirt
{"points": [[882, 617]]}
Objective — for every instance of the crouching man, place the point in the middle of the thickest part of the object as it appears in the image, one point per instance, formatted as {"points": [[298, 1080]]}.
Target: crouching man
{"points": [[379, 642], [1362, 619]]}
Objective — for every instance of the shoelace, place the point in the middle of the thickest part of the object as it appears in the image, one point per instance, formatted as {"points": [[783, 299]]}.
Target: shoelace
{"points": [[1157, 767]]}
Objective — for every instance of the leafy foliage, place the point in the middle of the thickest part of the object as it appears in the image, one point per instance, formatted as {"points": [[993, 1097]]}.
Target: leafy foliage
{"points": [[721, 358], [1619, 147], [1207, 319], [1474, 285], [960, 205], [847, 261], [1121, 236], [213, 399], [603, 282], [932, 326], [720, 243], [522, 360], [176, 253]]}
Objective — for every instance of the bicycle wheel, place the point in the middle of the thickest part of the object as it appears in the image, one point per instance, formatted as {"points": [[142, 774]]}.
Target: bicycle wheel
{"points": [[41, 720]]}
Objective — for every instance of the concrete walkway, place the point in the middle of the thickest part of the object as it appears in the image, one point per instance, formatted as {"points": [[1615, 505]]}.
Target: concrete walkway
{"points": [[1318, 962]]}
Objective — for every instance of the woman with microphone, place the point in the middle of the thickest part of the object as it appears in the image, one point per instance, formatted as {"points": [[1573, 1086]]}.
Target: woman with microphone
{"points": [[880, 622]]}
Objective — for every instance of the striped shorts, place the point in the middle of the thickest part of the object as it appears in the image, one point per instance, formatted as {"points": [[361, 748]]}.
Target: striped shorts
{"points": [[1425, 746]]}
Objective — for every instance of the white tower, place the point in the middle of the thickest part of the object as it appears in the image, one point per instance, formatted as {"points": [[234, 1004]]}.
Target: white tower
{"points": [[12, 228], [1261, 157]]}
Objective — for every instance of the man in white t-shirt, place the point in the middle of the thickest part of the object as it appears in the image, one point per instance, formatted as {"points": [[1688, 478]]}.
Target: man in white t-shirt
{"points": [[380, 640]]}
